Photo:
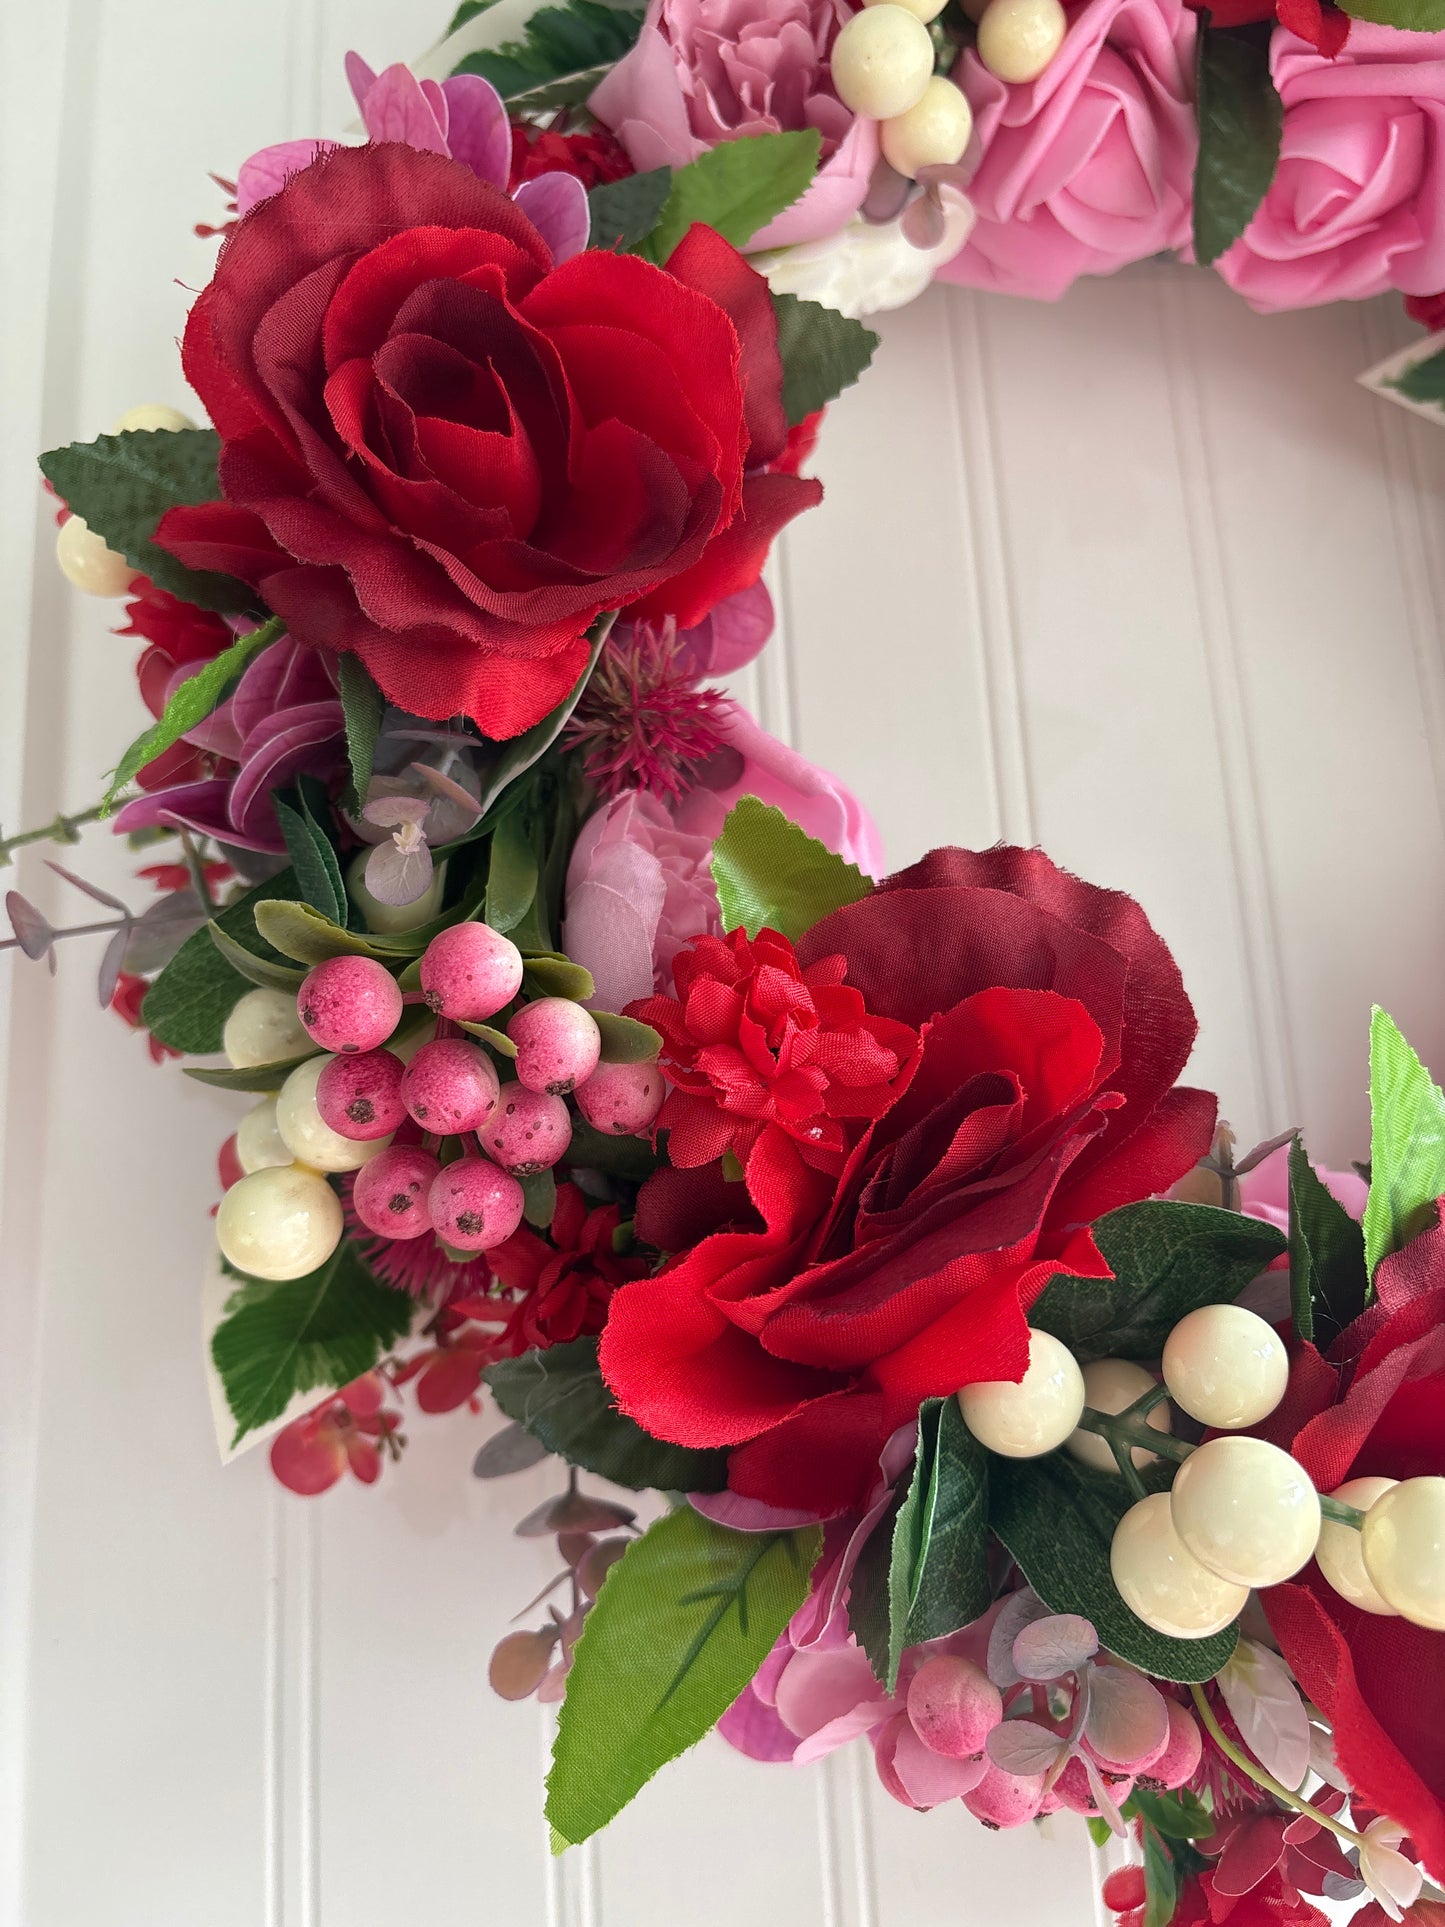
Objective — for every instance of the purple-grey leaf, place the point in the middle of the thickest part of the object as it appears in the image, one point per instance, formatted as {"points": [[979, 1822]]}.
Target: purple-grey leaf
{"points": [[396, 876], [1019, 1746], [93, 891], [390, 812], [33, 932], [513, 1449], [1020, 1609], [155, 937], [446, 789], [110, 967], [1128, 1721], [1050, 1648], [556, 205]]}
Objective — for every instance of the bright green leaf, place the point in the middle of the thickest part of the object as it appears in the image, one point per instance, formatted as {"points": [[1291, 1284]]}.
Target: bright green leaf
{"points": [[298, 931], [625, 1040], [1240, 118], [1412, 16], [1177, 1815], [1161, 1886], [363, 705], [1328, 1282], [188, 1004], [250, 1077], [938, 1572], [547, 974], [772, 875], [625, 212], [197, 696], [823, 353], [737, 187], [488, 1034], [1407, 1143]]}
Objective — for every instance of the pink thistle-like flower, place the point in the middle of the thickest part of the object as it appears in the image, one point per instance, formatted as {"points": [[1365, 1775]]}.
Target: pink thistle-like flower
{"points": [[419, 1265], [643, 724]]}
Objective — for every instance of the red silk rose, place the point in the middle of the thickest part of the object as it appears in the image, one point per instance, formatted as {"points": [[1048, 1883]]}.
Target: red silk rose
{"points": [[1375, 1406], [1053, 1025], [447, 456]]}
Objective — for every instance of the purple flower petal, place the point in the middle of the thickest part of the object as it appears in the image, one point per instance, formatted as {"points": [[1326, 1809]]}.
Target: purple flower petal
{"points": [[310, 737], [478, 132], [360, 78], [556, 205], [284, 674], [395, 876], [267, 173], [191, 806], [396, 109], [731, 636]]}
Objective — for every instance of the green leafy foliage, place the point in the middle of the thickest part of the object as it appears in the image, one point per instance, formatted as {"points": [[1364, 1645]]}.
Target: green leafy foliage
{"points": [[305, 1334], [309, 936], [468, 10], [1161, 1887], [121, 486], [823, 353], [869, 1604], [1167, 1259], [1328, 1282], [363, 705], [1407, 1143], [1240, 118], [188, 1004], [1058, 1519], [938, 1571], [197, 696], [489, 1035], [625, 1040], [550, 974], [683, 1621], [1423, 381], [770, 874], [256, 970], [625, 212], [1412, 16], [511, 872], [250, 1077], [562, 1398], [632, 1158], [562, 55], [1179, 1815], [318, 874], [520, 753], [737, 187]]}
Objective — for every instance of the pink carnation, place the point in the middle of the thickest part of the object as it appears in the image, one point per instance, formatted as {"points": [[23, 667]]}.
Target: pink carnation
{"points": [[1358, 200], [705, 71], [1090, 166]]}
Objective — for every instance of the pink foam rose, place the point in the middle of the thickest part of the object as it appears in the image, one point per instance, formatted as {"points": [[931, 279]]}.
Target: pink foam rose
{"points": [[705, 71], [1358, 199], [1090, 166]]}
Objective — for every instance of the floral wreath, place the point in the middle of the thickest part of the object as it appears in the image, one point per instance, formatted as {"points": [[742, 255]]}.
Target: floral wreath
{"points": [[998, 1411]]}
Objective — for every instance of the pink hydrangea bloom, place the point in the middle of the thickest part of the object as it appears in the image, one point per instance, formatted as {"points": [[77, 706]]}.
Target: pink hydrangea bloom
{"points": [[1357, 204], [1090, 166], [705, 71]]}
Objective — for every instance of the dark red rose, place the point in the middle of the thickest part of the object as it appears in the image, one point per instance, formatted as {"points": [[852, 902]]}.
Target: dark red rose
{"points": [[594, 157], [1375, 1406], [446, 455], [1053, 1025]]}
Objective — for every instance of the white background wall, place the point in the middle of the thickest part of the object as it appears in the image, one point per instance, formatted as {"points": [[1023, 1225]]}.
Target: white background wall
{"points": [[1142, 577]]}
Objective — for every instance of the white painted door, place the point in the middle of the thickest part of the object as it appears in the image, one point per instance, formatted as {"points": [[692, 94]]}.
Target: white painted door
{"points": [[1142, 577]]}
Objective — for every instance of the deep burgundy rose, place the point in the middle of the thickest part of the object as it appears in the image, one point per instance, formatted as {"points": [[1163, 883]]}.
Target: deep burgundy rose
{"points": [[821, 1309], [447, 455]]}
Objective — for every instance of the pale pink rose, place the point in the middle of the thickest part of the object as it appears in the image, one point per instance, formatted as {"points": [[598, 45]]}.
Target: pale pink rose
{"points": [[1358, 200], [705, 71], [757, 764], [1090, 166]]}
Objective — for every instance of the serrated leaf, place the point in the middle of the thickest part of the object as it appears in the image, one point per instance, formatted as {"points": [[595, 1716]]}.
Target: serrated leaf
{"points": [[188, 1004], [511, 873], [1058, 1520], [682, 1623], [313, 860], [197, 696], [938, 1568], [561, 1397], [121, 486], [570, 47], [300, 932], [363, 706], [315, 1333], [625, 1040], [1168, 1258], [1407, 1143], [823, 352], [868, 1590], [1328, 1282], [1240, 120], [770, 874], [737, 187], [625, 212], [250, 1077], [256, 970]]}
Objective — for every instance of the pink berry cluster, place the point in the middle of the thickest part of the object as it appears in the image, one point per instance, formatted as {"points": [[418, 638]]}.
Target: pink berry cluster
{"points": [[448, 1090]]}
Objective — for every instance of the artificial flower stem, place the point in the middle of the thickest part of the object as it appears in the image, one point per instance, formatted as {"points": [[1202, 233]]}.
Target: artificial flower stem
{"points": [[1253, 1771], [62, 829], [75, 930]]}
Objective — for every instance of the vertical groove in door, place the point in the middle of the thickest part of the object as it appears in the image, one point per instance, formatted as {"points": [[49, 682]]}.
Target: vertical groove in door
{"points": [[831, 1893], [1276, 1083], [554, 1865], [858, 1761]]}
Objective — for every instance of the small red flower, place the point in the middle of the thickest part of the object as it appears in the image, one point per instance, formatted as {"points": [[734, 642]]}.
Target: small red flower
{"points": [[311, 1453], [594, 157], [1427, 309], [126, 1001], [177, 876], [566, 1285], [754, 1039]]}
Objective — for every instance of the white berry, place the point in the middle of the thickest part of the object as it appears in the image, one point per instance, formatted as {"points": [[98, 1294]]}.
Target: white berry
{"points": [[1018, 38], [882, 60], [926, 10], [1025, 1420], [1403, 1540], [1340, 1551], [1111, 1385], [1225, 1366], [1246, 1510], [151, 415], [308, 1136], [1161, 1580], [259, 1145], [88, 564], [279, 1223], [933, 133], [263, 1028]]}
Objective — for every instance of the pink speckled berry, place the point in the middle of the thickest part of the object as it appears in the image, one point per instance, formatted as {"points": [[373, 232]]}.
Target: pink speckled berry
{"points": [[469, 972], [622, 1099], [953, 1706], [474, 1206], [529, 1130], [360, 1097], [390, 1194], [1005, 1799], [349, 1004], [558, 1044], [450, 1086]]}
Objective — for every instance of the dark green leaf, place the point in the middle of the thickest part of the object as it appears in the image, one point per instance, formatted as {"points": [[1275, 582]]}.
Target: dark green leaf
{"points": [[772, 875], [868, 1602], [256, 970], [251, 1077], [518, 755], [561, 1397], [737, 187], [568, 48], [1407, 1143], [1167, 1259], [625, 212], [1423, 381], [188, 1004], [1240, 117], [1328, 1282], [627, 1157], [363, 705], [121, 486], [197, 696], [682, 1623], [468, 10], [1058, 1520], [539, 1189], [625, 1040], [938, 1572], [313, 860], [823, 353], [511, 873]]}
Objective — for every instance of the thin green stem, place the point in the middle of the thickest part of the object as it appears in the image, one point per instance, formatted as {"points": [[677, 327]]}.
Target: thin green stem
{"points": [[1252, 1770], [62, 829]]}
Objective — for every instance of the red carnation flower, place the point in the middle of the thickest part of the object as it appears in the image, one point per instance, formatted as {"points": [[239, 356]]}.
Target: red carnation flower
{"points": [[756, 1040], [447, 456], [593, 157], [565, 1286], [824, 1308]]}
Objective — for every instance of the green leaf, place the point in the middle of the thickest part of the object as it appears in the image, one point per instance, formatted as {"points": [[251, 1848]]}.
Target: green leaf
{"points": [[251, 1077], [625, 212], [1423, 381], [121, 486], [683, 1621], [511, 873], [304, 1334], [256, 970], [313, 860], [627, 1157], [497, 1040], [517, 755], [1058, 1520], [363, 706], [737, 187], [1413, 16], [1161, 1888], [823, 353], [560, 1396], [1328, 1282], [1177, 1816], [298, 931], [938, 1571], [625, 1040], [1167, 1258], [1240, 118], [868, 1590], [188, 1004], [567, 48], [539, 1193], [468, 10], [197, 696], [1407, 1143], [772, 875], [548, 974]]}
